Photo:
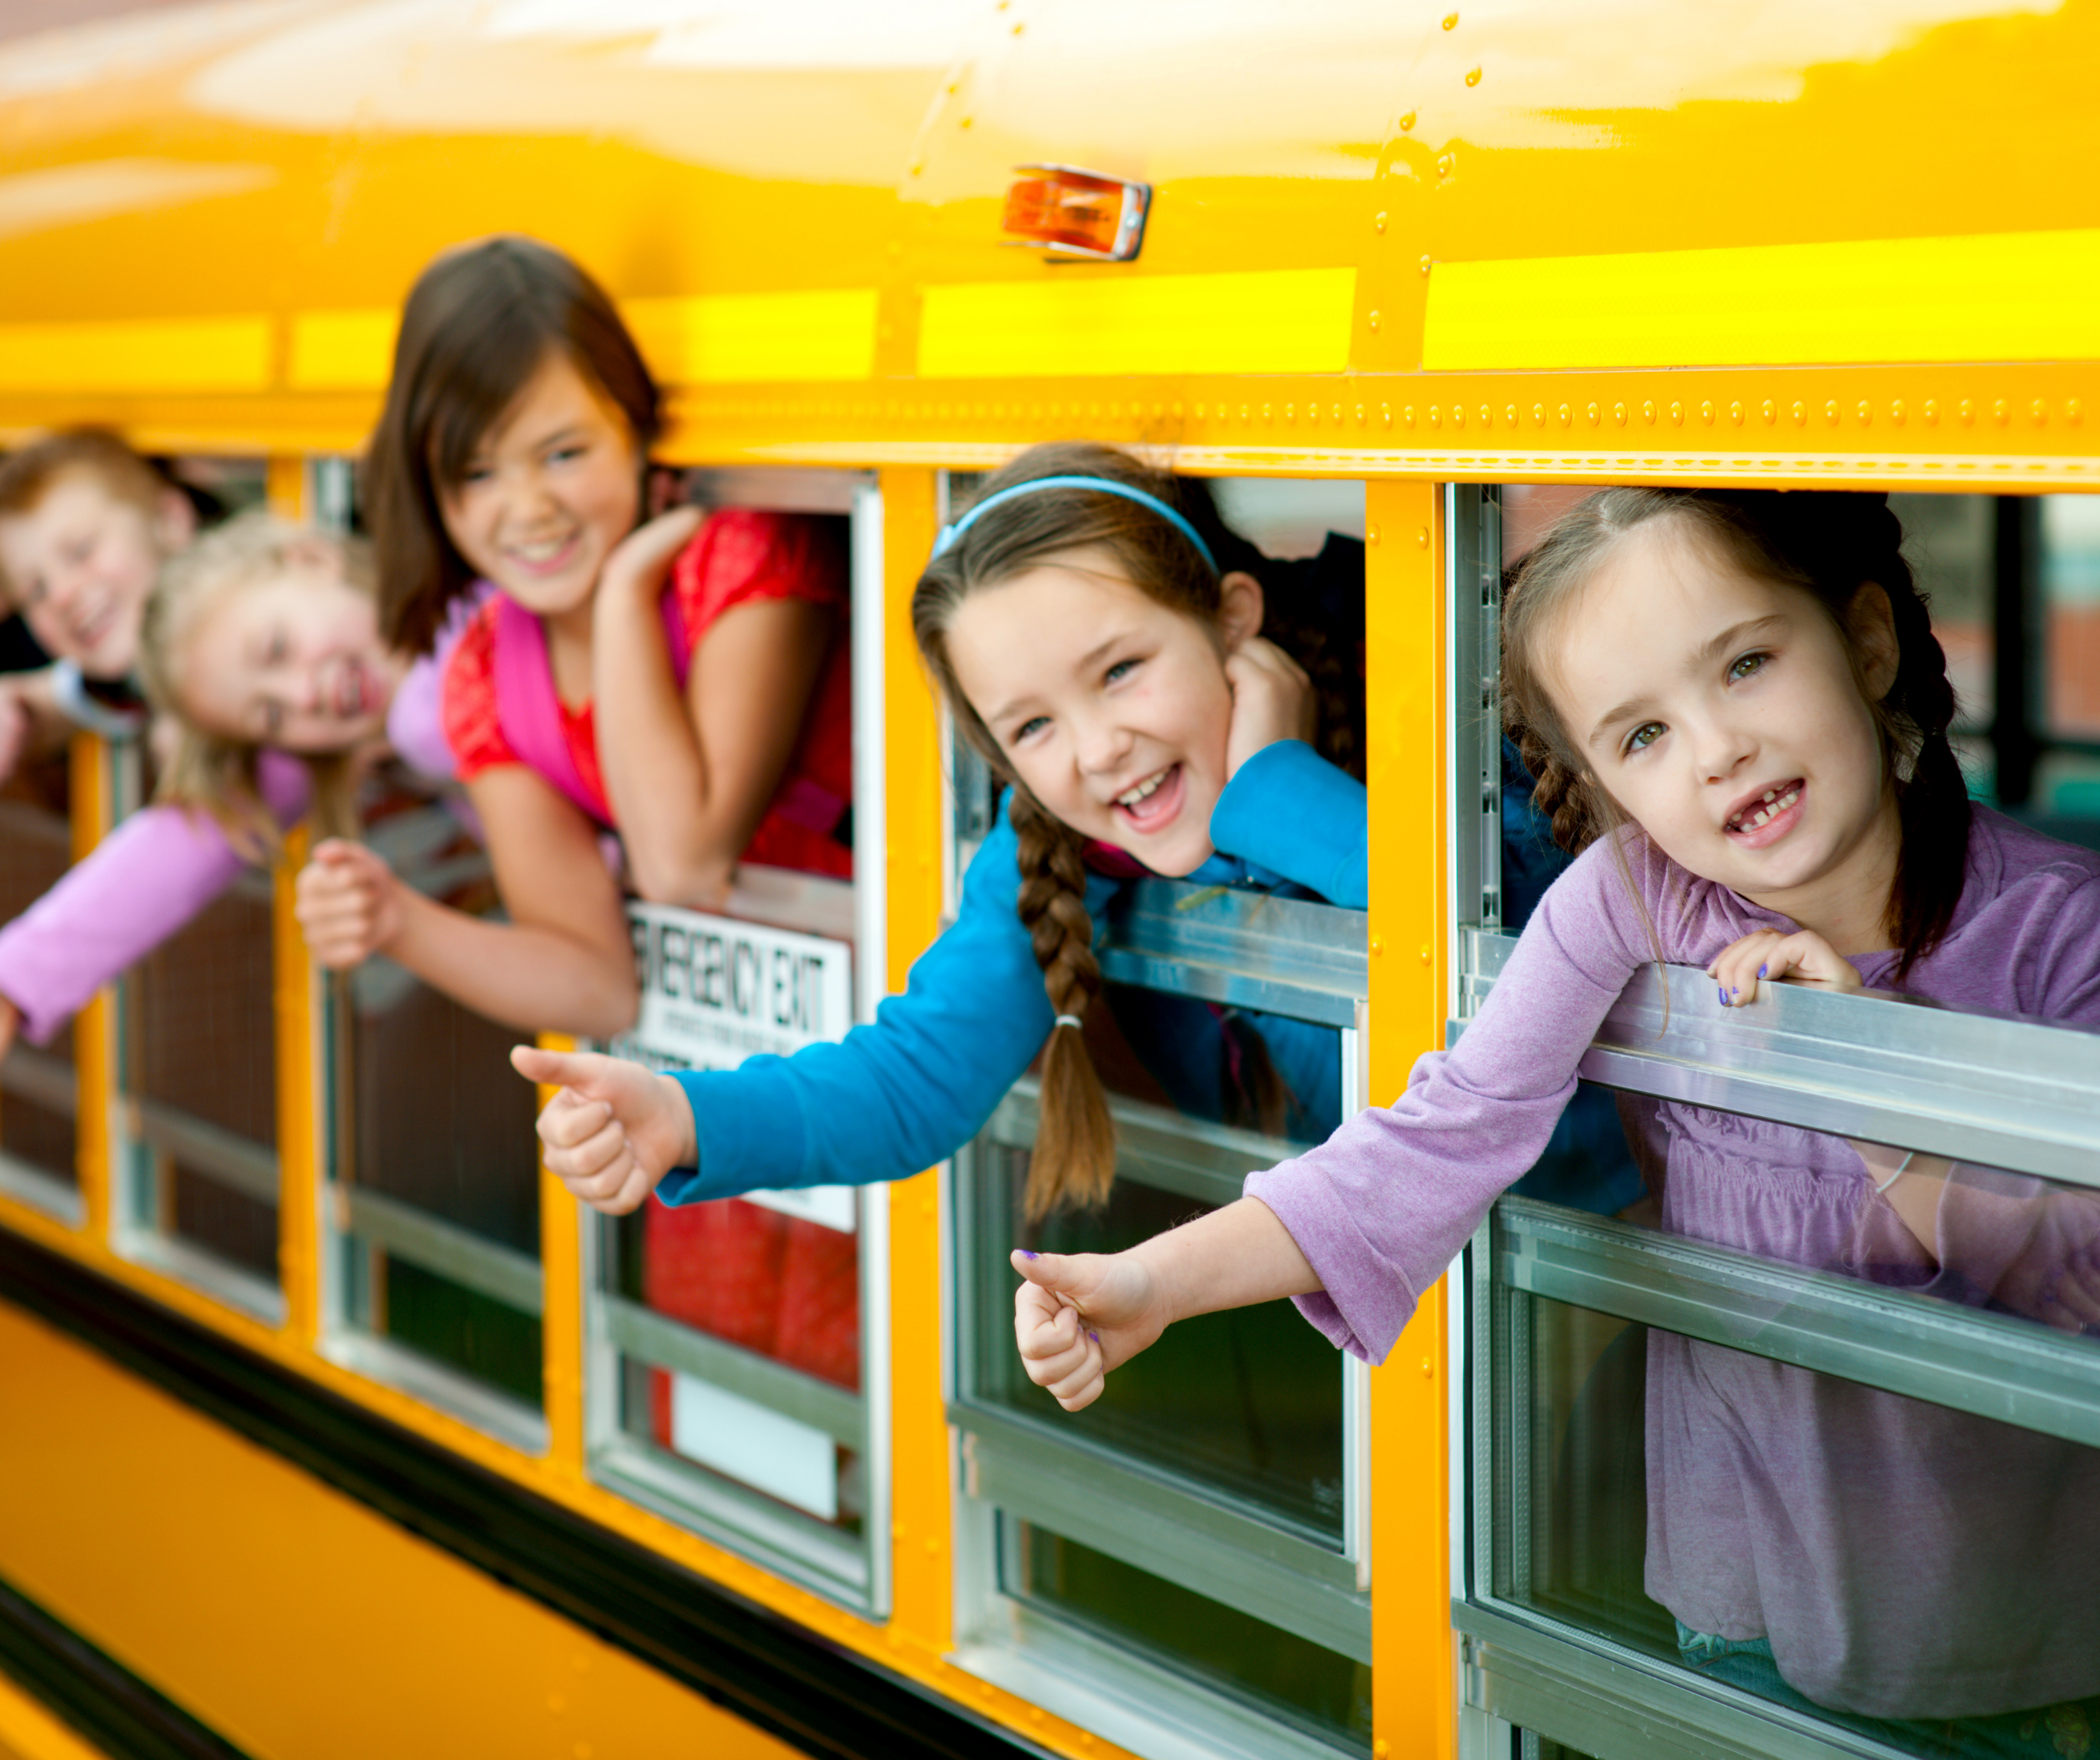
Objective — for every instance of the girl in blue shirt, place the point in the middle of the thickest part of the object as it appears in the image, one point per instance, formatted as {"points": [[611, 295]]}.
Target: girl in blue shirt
{"points": [[1107, 645]]}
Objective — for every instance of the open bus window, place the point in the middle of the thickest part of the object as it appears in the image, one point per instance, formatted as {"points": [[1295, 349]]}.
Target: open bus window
{"points": [[1818, 1433], [1200, 1528], [731, 1381]]}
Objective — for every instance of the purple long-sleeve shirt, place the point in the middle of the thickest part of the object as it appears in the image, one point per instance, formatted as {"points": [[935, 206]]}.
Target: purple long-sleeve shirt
{"points": [[1904, 1559], [156, 871]]}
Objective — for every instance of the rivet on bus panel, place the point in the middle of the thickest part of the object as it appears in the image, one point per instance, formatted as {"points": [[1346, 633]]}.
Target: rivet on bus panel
{"points": [[1290, 412], [1359, 412], [1896, 411], [1735, 414], [1458, 415], [1999, 413], [1378, 224], [1473, 77], [1830, 412], [1444, 164], [1487, 417], [1407, 414], [1619, 414], [1425, 262], [1596, 415], [1407, 122], [1374, 320], [1377, 947], [1648, 412], [1451, 21], [1427, 1370], [2071, 411], [1706, 413], [1567, 415], [1866, 413], [1338, 412], [1932, 412], [1425, 945], [1435, 416], [1510, 415], [964, 121], [1538, 414], [2040, 413], [1267, 412], [1967, 412]]}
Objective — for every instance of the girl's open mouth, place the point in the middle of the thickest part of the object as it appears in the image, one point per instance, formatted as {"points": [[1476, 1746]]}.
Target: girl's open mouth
{"points": [[545, 559], [1153, 803], [1764, 821]]}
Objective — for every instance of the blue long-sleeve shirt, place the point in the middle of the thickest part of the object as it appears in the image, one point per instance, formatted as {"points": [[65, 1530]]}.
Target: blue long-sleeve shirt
{"points": [[913, 1086]]}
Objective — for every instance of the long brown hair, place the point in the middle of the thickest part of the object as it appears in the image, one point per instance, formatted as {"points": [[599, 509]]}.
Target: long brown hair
{"points": [[1826, 543], [479, 323], [1075, 1156]]}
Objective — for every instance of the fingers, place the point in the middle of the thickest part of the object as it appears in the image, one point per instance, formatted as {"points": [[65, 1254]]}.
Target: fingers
{"points": [[1059, 1353], [1766, 956]]}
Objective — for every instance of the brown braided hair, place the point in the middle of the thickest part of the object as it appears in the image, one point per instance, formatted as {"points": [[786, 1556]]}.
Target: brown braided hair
{"points": [[1826, 543], [1075, 1156]]}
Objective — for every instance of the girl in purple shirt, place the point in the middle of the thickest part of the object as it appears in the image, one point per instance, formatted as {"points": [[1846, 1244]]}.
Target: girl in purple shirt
{"points": [[1737, 708]]}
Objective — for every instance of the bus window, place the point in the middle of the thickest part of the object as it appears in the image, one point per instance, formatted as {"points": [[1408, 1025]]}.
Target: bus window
{"points": [[37, 1105], [1194, 1540], [1820, 1478], [2067, 645], [731, 1378]]}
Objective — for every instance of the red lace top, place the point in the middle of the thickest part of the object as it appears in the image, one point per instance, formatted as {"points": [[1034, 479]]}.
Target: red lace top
{"points": [[739, 557]]}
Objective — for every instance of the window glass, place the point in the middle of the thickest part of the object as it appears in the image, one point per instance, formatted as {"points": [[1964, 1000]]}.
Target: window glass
{"points": [[1900, 1570], [200, 1073], [37, 1105], [436, 1205], [1228, 1649], [2070, 634]]}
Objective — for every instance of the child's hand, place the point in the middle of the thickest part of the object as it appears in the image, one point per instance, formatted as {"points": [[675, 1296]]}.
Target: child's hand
{"points": [[1273, 699], [614, 1130], [348, 903], [1078, 1317], [10, 1023], [641, 559], [1767, 953]]}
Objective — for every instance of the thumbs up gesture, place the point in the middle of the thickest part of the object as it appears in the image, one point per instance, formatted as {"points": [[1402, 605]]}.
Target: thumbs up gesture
{"points": [[613, 1129], [1080, 1315]]}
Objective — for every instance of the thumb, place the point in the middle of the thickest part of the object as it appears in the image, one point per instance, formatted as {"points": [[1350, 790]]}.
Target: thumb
{"points": [[337, 852], [1054, 1272], [554, 1069]]}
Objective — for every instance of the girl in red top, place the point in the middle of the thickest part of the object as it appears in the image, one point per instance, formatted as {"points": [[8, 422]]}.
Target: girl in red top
{"points": [[685, 684]]}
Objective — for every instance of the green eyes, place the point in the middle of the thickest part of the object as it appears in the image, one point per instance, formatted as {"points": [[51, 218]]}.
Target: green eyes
{"points": [[1743, 666], [1643, 736]]}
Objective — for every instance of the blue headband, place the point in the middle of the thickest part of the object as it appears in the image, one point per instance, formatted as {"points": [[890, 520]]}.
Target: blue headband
{"points": [[1100, 484]]}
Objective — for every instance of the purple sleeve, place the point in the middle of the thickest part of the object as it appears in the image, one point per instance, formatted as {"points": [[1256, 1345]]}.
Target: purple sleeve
{"points": [[144, 881], [415, 720], [1381, 1207]]}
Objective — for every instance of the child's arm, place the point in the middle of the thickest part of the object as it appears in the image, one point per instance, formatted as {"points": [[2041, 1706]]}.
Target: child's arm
{"points": [[688, 781], [1080, 1315], [562, 962], [141, 884]]}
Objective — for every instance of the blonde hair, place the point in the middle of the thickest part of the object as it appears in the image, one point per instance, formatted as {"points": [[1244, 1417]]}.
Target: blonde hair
{"points": [[207, 771]]}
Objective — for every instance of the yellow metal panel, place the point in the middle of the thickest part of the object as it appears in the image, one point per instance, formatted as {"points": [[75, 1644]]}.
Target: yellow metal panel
{"points": [[27, 1732], [289, 1617], [2009, 296], [562, 1309], [1414, 1703], [89, 782], [1262, 321], [714, 338], [145, 354], [912, 805], [342, 350]]}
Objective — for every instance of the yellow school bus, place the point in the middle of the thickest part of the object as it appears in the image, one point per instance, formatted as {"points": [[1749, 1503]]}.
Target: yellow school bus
{"points": [[306, 1454]]}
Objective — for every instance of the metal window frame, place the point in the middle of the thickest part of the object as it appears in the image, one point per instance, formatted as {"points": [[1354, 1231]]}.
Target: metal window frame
{"points": [[852, 1571], [2005, 1091], [1280, 955]]}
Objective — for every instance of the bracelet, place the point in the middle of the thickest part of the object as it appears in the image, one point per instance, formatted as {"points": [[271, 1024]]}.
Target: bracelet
{"points": [[1072, 1021], [1900, 1167]]}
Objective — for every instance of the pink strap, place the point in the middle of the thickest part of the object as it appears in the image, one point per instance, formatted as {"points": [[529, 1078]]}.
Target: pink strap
{"points": [[526, 708]]}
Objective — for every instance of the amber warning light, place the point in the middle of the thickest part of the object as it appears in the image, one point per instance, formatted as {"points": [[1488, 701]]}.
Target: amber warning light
{"points": [[1077, 213]]}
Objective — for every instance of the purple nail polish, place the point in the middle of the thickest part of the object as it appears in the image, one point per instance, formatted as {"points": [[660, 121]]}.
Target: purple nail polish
{"points": [[1095, 1336], [1720, 991], [1026, 1254], [1735, 991], [1761, 971]]}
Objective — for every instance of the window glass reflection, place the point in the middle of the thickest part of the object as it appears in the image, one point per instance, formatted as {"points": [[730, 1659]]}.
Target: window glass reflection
{"points": [[36, 1102]]}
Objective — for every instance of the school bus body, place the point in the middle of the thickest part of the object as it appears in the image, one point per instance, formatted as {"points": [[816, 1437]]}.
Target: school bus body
{"points": [[1844, 245]]}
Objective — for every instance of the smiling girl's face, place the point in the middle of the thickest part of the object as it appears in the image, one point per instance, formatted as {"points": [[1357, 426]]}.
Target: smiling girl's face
{"points": [[549, 492], [1724, 714], [293, 660], [1113, 710]]}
